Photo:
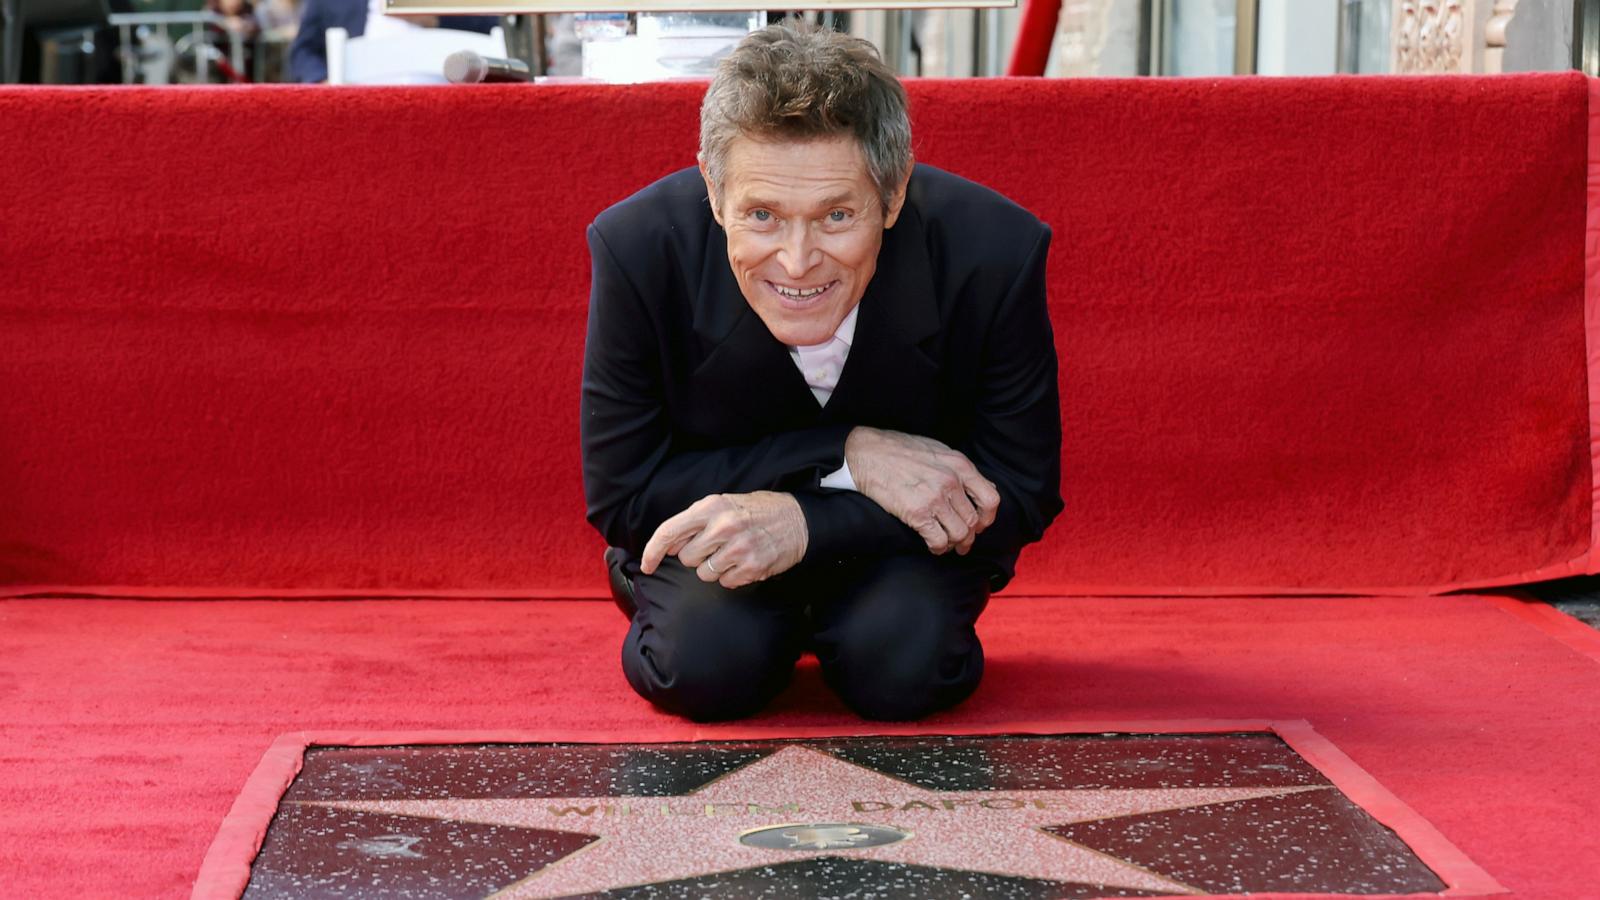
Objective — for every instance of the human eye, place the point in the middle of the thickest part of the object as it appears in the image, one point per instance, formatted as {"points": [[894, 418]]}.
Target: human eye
{"points": [[761, 215], [839, 216]]}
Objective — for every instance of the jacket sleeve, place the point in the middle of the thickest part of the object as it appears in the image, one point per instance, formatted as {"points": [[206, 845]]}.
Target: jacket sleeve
{"points": [[845, 523], [1015, 438], [633, 477], [308, 54]]}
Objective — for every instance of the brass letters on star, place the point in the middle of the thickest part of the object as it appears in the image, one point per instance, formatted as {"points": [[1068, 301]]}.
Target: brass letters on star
{"points": [[764, 809], [862, 806], [669, 809]]}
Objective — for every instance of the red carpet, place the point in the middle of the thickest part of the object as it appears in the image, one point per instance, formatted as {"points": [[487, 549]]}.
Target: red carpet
{"points": [[1317, 335], [128, 727]]}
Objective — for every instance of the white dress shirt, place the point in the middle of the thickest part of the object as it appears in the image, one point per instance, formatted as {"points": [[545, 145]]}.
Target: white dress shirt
{"points": [[821, 365]]}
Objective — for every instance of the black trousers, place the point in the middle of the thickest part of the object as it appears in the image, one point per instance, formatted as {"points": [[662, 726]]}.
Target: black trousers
{"points": [[894, 635]]}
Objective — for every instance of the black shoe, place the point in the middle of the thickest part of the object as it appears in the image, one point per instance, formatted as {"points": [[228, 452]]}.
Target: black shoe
{"points": [[621, 584]]}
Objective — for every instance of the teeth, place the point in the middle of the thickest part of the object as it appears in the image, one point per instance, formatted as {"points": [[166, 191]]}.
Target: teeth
{"points": [[799, 294]]}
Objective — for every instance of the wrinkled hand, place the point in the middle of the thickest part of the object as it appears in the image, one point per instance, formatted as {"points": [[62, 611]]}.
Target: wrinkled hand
{"points": [[733, 539], [923, 483]]}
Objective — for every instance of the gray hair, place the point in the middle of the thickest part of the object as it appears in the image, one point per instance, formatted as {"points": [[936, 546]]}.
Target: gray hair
{"points": [[797, 81]]}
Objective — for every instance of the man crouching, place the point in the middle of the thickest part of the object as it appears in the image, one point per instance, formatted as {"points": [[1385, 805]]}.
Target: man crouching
{"points": [[819, 403]]}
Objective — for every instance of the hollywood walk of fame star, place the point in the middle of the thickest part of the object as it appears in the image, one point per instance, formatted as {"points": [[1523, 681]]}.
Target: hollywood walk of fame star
{"points": [[644, 840]]}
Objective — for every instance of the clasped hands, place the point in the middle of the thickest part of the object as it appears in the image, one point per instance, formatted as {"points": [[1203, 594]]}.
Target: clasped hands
{"points": [[740, 539]]}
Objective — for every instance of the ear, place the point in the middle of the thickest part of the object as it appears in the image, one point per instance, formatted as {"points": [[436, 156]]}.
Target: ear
{"points": [[897, 200], [711, 190]]}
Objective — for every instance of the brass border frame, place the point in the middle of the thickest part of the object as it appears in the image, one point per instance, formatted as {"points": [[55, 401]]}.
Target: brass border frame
{"points": [[225, 869]]}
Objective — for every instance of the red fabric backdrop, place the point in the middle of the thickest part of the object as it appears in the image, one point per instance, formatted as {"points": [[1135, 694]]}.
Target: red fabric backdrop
{"points": [[1316, 335]]}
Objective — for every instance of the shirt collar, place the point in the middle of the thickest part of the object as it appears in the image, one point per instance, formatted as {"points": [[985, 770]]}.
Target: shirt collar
{"points": [[845, 335], [847, 328]]}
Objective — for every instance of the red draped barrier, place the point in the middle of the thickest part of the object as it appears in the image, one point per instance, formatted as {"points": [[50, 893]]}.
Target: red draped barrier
{"points": [[1316, 335], [1030, 52]]}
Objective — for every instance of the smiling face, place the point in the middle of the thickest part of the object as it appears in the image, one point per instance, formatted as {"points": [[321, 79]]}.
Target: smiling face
{"points": [[804, 222]]}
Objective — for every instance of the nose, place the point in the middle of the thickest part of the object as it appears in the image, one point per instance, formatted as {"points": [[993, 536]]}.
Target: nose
{"points": [[796, 252]]}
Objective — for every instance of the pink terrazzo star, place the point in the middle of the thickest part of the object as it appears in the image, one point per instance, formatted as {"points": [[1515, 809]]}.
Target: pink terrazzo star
{"points": [[652, 839]]}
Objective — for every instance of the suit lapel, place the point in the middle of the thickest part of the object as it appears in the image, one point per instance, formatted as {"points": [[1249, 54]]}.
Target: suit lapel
{"points": [[746, 384], [890, 380]]}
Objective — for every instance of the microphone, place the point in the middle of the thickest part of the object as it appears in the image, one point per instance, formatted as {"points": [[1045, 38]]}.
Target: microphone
{"points": [[467, 67]]}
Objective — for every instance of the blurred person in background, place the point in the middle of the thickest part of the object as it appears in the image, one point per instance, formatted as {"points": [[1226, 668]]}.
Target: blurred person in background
{"points": [[238, 19], [240, 14], [278, 18]]}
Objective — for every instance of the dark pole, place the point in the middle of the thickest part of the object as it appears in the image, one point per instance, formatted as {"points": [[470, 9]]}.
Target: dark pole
{"points": [[1586, 37], [10, 41], [1149, 59], [525, 40]]}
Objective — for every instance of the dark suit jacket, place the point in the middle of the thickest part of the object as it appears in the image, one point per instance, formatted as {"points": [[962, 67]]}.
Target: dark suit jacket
{"points": [[308, 55], [686, 393]]}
